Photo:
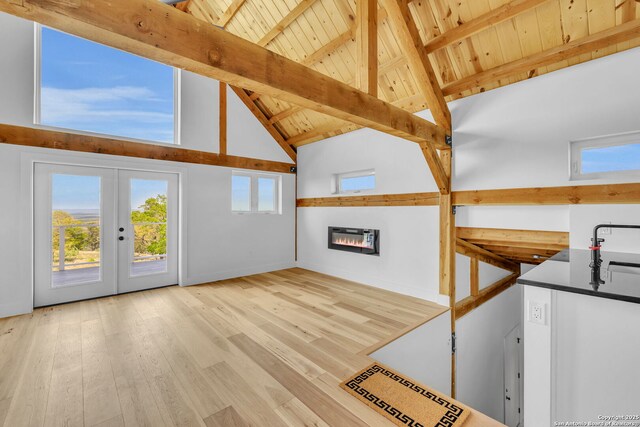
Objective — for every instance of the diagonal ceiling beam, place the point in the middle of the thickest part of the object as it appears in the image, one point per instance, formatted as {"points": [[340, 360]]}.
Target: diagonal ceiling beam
{"points": [[412, 46], [482, 22], [265, 122], [473, 251], [229, 13], [600, 40], [286, 21], [162, 33]]}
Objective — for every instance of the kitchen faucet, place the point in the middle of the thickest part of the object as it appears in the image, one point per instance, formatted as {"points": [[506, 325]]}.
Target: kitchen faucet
{"points": [[596, 259]]}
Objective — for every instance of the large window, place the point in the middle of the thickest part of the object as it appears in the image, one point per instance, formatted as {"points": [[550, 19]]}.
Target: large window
{"points": [[354, 182], [88, 87], [606, 157], [255, 193]]}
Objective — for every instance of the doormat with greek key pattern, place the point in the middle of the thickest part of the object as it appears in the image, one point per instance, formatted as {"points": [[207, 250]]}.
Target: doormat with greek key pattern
{"points": [[404, 401]]}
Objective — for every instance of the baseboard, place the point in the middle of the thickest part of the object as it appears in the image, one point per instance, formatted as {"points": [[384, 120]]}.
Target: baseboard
{"points": [[376, 282], [234, 273]]}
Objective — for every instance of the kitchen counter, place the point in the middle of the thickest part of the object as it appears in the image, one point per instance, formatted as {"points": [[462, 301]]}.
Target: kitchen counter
{"points": [[569, 271]]}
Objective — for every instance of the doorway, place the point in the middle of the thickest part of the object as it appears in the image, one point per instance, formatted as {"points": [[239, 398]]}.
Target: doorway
{"points": [[102, 231], [512, 378]]}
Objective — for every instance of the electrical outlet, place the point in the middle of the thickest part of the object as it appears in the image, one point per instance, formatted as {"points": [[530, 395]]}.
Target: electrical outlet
{"points": [[537, 313], [605, 231]]}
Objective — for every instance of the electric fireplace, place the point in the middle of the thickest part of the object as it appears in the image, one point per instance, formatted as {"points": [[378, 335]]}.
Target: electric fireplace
{"points": [[358, 240]]}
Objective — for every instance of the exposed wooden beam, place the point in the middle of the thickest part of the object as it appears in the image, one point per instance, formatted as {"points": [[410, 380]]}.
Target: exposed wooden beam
{"points": [[367, 46], [476, 252], [447, 253], [516, 238], [411, 44], [183, 5], [628, 10], [385, 68], [284, 114], [223, 118], [262, 118], [474, 301], [316, 133], [467, 29], [330, 47], [162, 33], [230, 12], [435, 166], [338, 41], [447, 234], [577, 47], [286, 21], [474, 277], [408, 199], [574, 195], [31, 137]]}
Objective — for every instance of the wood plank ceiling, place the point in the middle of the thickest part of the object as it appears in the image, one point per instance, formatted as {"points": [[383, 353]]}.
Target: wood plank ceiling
{"points": [[473, 45]]}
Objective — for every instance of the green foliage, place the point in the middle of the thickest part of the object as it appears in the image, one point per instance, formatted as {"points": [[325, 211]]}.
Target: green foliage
{"points": [[82, 238], [150, 237], [149, 227]]}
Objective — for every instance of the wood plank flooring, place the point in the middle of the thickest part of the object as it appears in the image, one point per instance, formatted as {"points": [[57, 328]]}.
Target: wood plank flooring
{"points": [[264, 350]]}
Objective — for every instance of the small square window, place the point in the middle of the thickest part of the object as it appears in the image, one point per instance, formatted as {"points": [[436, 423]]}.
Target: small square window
{"points": [[606, 157], [355, 182], [255, 193]]}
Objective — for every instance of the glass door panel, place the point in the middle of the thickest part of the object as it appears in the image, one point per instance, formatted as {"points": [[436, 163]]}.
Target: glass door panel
{"points": [[76, 233], [148, 244], [148, 210], [73, 250]]}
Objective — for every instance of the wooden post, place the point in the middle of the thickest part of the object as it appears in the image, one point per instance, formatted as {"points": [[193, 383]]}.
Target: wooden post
{"points": [[474, 279], [367, 46], [223, 118], [448, 255]]}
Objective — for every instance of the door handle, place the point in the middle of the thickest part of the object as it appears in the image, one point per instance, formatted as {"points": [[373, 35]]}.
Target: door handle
{"points": [[121, 238]]}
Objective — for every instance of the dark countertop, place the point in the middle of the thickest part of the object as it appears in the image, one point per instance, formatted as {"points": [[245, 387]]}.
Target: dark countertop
{"points": [[569, 271]]}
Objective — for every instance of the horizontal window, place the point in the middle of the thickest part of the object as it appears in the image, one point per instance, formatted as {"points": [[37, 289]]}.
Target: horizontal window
{"points": [[89, 87], [355, 182], [606, 157], [255, 193]]}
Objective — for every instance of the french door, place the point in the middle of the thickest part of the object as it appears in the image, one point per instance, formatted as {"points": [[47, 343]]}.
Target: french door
{"points": [[100, 231]]}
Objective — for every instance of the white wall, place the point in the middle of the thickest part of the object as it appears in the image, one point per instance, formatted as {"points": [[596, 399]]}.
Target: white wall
{"points": [[585, 217], [480, 357], [218, 244], [423, 354], [408, 261]]}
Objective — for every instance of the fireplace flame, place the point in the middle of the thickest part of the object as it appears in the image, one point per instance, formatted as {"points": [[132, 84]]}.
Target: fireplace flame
{"points": [[358, 243]]}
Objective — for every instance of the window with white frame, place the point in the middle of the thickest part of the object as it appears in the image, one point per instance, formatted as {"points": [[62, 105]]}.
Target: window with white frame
{"points": [[606, 157], [354, 182], [255, 193], [88, 87]]}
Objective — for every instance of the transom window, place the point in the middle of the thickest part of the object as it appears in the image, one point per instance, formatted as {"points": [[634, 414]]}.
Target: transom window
{"points": [[255, 193], [606, 157], [354, 182], [89, 87]]}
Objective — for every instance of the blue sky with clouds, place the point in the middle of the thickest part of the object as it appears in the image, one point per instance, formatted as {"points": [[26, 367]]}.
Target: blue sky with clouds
{"points": [[83, 192], [90, 87]]}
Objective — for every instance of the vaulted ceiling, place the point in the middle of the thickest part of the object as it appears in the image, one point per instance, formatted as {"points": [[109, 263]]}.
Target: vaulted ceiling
{"points": [[473, 45]]}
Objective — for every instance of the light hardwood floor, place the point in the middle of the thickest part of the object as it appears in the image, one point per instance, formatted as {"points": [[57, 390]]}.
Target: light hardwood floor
{"points": [[264, 350]]}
